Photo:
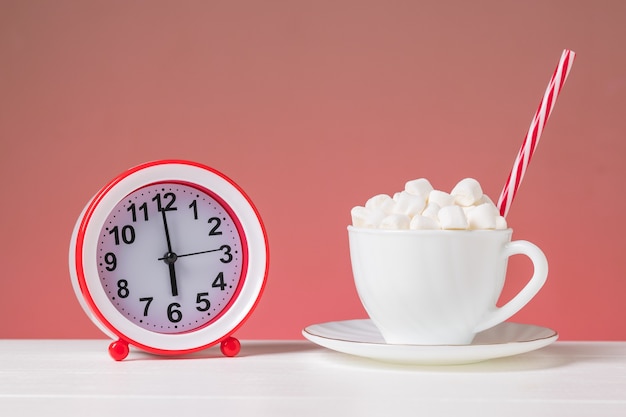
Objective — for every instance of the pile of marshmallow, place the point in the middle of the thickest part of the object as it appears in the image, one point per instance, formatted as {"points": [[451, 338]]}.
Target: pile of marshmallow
{"points": [[420, 206]]}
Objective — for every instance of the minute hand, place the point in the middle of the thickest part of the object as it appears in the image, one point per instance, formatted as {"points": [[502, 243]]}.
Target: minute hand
{"points": [[203, 251]]}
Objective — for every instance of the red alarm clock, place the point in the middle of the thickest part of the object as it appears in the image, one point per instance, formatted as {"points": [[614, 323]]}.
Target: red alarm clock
{"points": [[170, 257]]}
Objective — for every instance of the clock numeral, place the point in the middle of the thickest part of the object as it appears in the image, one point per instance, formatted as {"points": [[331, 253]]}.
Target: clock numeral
{"points": [[227, 255], [127, 234], [146, 300], [218, 282], [173, 314], [194, 207], [122, 288], [206, 304], [214, 231], [167, 196], [133, 211], [111, 261]]}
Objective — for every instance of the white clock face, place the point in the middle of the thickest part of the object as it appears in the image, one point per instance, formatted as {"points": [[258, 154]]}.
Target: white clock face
{"points": [[171, 257]]}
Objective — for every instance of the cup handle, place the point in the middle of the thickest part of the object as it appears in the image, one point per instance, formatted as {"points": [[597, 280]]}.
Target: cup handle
{"points": [[540, 264]]}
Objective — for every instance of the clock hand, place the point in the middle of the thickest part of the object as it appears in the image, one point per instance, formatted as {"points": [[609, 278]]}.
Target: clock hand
{"points": [[167, 232], [169, 254], [173, 280], [170, 257], [198, 253]]}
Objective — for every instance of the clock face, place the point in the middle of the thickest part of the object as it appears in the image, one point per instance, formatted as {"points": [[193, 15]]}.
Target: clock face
{"points": [[171, 256]]}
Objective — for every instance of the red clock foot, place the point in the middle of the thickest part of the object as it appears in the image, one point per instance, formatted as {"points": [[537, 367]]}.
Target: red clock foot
{"points": [[230, 346], [118, 350]]}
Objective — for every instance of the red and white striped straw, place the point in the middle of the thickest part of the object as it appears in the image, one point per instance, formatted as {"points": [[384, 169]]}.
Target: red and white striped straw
{"points": [[534, 132]]}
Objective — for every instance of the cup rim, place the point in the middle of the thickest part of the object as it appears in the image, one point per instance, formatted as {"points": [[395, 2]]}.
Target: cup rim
{"points": [[355, 229]]}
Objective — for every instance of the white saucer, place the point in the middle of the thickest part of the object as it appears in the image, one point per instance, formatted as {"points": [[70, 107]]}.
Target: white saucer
{"points": [[362, 338]]}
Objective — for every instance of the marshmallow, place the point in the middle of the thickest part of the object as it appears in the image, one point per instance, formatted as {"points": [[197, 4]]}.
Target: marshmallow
{"points": [[380, 202], [419, 186], [485, 199], [452, 217], [441, 198], [366, 217], [399, 196], [467, 209], [482, 217], [395, 221], [408, 204], [501, 223], [431, 210], [467, 192], [423, 223]]}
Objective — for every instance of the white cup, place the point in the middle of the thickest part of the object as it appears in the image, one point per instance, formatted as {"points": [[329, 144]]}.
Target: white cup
{"points": [[436, 287]]}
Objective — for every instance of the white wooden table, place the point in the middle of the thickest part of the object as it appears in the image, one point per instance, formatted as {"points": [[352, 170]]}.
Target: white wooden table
{"points": [[298, 378]]}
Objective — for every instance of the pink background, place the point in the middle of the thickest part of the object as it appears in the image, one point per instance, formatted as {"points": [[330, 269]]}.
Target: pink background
{"points": [[312, 107]]}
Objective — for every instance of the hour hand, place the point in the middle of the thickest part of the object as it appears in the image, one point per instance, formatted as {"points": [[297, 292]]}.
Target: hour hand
{"points": [[173, 280], [170, 258]]}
